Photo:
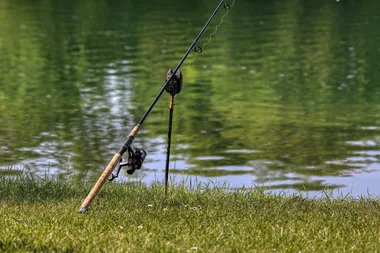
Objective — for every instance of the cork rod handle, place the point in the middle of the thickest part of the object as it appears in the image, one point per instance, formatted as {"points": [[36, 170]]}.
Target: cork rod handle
{"points": [[102, 179]]}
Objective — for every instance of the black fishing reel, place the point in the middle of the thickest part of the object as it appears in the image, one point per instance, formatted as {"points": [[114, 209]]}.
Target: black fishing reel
{"points": [[175, 85], [136, 158]]}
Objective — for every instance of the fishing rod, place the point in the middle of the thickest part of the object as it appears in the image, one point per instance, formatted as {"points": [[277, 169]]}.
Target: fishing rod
{"points": [[136, 156]]}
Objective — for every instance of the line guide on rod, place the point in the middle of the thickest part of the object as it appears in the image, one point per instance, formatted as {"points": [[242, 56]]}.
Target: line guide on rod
{"points": [[137, 156]]}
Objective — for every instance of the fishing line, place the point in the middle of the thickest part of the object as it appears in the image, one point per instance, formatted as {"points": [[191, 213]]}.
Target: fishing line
{"points": [[227, 7], [199, 49]]}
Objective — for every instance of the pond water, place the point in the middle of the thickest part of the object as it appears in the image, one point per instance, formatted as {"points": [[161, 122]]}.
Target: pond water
{"points": [[285, 96]]}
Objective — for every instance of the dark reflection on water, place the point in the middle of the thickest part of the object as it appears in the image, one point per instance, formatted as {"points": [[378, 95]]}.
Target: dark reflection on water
{"points": [[285, 96]]}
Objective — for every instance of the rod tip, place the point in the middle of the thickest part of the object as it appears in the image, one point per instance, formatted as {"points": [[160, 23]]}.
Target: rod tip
{"points": [[82, 210]]}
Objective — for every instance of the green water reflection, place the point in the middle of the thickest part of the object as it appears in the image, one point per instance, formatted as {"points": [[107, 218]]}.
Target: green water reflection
{"points": [[286, 95]]}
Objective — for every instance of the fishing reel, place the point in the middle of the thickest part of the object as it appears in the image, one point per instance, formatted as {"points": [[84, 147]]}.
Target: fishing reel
{"points": [[175, 85], [136, 158]]}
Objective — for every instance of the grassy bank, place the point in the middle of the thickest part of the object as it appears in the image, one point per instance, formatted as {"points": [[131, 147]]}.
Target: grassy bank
{"points": [[39, 215]]}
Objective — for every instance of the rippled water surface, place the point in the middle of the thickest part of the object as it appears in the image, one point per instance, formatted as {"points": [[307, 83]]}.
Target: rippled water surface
{"points": [[285, 96]]}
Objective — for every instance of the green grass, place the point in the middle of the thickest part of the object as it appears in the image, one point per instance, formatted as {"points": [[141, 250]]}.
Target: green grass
{"points": [[41, 215]]}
